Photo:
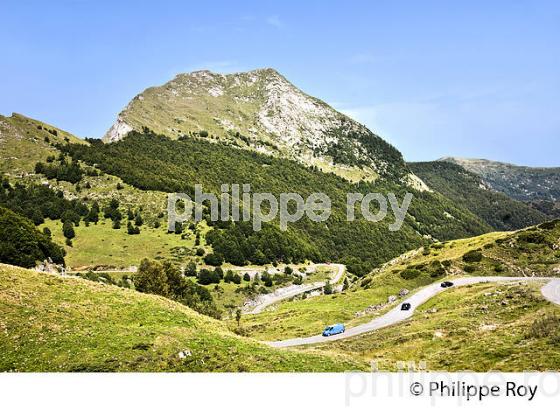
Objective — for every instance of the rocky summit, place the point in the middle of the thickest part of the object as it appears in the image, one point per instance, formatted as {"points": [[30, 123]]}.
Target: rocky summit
{"points": [[261, 110]]}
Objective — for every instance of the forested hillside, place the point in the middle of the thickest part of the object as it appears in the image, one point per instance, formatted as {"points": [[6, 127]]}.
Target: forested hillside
{"points": [[519, 182], [155, 162], [466, 188]]}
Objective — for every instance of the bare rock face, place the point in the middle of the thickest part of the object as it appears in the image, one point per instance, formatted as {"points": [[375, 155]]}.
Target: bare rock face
{"points": [[117, 131], [260, 110]]}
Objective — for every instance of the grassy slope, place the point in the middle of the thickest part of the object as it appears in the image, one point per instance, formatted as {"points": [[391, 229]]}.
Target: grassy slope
{"points": [[470, 330], [310, 316], [505, 250], [102, 245], [104, 187], [23, 144], [54, 324]]}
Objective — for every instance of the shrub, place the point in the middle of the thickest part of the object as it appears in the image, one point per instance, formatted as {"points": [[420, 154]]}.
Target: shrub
{"points": [[436, 269], [213, 259], [70, 216], [473, 256], [190, 270], [132, 230], [218, 273], [549, 225], [206, 277], [178, 228], [469, 268], [410, 274], [68, 230], [151, 278], [499, 268], [546, 326], [93, 214], [267, 279], [440, 271], [246, 277], [35, 215], [228, 277], [532, 237]]}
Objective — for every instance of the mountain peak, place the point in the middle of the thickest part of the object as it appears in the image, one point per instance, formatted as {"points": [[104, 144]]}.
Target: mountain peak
{"points": [[205, 73], [259, 110]]}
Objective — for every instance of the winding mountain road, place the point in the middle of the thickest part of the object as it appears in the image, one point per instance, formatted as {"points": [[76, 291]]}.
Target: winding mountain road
{"points": [[295, 290], [550, 291]]}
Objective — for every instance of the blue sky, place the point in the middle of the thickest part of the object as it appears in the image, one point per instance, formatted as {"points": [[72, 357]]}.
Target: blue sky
{"points": [[476, 79]]}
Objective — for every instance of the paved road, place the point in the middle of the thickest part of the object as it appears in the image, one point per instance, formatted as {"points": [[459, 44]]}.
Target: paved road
{"points": [[294, 290], [551, 291]]}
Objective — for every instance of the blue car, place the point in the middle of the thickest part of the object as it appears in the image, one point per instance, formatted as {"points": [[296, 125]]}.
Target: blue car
{"points": [[334, 330]]}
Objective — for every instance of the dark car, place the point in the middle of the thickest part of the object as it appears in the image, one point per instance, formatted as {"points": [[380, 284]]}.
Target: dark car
{"points": [[446, 284], [406, 306]]}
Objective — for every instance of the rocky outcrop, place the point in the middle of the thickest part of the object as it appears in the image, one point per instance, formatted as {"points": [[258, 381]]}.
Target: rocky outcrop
{"points": [[117, 131]]}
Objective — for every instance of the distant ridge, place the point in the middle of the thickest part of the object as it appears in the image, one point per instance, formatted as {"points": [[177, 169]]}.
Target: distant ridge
{"points": [[519, 182]]}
